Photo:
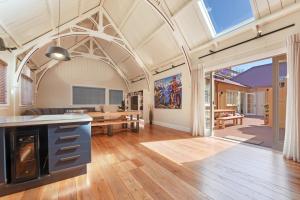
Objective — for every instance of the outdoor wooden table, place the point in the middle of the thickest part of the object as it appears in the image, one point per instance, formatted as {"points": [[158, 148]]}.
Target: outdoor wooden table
{"points": [[219, 111]]}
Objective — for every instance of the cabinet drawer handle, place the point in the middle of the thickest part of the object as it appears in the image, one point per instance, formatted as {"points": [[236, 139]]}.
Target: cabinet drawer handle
{"points": [[69, 148], [69, 126], [69, 158], [71, 137]]}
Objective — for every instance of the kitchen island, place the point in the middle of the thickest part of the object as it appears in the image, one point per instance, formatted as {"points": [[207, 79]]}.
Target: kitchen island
{"points": [[37, 150]]}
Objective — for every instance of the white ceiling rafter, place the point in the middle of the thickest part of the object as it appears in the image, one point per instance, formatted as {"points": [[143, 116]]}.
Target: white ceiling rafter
{"points": [[62, 27], [75, 29], [76, 53], [129, 13], [80, 2], [133, 52], [51, 14], [111, 61], [167, 17], [149, 37], [19, 44]]}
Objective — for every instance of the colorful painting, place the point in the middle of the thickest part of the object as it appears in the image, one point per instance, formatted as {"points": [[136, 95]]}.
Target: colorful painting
{"points": [[168, 92]]}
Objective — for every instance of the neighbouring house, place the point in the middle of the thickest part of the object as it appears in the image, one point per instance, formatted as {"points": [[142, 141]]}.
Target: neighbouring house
{"points": [[228, 94], [251, 93], [259, 98]]}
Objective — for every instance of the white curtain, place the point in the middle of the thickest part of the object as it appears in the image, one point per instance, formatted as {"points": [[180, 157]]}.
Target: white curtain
{"points": [[198, 101], [291, 149]]}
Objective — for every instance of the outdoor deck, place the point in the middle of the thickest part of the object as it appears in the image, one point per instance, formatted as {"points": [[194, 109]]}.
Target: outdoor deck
{"points": [[253, 130]]}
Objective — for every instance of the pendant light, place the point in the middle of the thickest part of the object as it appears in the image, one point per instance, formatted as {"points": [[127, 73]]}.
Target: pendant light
{"points": [[58, 52]]}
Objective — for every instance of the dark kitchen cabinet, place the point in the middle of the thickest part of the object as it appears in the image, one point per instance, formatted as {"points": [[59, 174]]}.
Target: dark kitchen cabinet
{"points": [[2, 156]]}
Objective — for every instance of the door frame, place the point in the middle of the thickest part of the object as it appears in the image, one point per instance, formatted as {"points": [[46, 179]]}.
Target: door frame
{"points": [[246, 99], [212, 104], [276, 60]]}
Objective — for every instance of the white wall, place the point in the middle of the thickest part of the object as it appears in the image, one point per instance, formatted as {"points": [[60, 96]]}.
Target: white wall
{"points": [[55, 89], [180, 119]]}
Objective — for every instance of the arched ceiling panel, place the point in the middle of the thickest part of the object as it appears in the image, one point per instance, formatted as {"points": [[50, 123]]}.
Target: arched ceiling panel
{"points": [[175, 5], [8, 40], [160, 48], [130, 68], [86, 5], [69, 10], [193, 27], [142, 23], [267, 7], [288, 2], [116, 52], [24, 20], [104, 44], [122, 59], [275, 5], [118, 9]]}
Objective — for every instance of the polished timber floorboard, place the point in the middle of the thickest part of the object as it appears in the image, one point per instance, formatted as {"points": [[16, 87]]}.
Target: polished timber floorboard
{"points": [[161, 163]]}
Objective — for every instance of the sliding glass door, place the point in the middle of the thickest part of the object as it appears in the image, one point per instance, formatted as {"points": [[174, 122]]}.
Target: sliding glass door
{"points": [[262, 103], [279, 99], [209, 108]]}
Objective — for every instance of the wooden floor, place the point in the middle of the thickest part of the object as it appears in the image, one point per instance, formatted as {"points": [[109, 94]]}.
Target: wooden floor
{"points": [[161, 163]]}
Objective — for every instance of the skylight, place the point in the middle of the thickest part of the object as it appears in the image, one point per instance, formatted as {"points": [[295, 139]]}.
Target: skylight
{"points": [[226, 15]]}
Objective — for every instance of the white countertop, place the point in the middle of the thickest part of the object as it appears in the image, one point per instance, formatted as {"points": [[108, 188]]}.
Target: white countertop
{"points": [[14, 121]]}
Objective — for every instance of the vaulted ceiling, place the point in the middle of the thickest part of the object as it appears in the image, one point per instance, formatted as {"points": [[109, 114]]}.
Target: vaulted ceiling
{"points": [[146, 33]]}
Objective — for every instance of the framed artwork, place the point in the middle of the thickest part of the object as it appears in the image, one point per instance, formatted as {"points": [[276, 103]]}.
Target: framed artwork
{"points": [[168, 92]]}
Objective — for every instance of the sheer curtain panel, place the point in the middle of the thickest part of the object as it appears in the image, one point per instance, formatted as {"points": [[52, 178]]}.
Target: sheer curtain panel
{"points": [[291, 149], [198, 101]]}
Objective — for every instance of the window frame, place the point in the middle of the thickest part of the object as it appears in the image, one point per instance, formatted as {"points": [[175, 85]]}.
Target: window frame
{"points": [[87, 86], [6, 86], [211, 27], [115, 90], [20, 92], [235, 96]]}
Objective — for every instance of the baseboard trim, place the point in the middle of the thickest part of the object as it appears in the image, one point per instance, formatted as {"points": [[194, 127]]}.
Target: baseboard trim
{"points": [[173, 126]]}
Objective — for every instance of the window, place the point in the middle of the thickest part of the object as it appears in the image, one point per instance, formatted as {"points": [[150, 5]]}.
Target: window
{"points": [[115, 97], [26, 91], [227, 15], [231, 97], [88, 95], [3, 83]]}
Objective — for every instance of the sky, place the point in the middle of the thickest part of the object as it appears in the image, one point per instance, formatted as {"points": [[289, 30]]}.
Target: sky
{"points": [[225, 14], [244, 67]]}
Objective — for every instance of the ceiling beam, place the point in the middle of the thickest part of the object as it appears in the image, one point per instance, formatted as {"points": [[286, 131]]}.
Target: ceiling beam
{"points": [[174, 29], [112, 62], [129, 13], [149, 37], [62, 27], [80, 2], [54, 62], [282, 13], [50, 9], [134, 53], [13, 38], [107, 59]]}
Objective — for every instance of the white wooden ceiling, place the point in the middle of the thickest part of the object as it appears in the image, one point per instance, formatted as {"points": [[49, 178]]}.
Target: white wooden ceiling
{"points": [[22, 21]]}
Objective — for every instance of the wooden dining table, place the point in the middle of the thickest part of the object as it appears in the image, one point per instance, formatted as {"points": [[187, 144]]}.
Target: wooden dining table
{"points": [[109, 119]]}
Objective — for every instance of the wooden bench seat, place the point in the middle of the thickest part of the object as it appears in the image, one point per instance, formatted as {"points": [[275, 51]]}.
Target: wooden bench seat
{"points": [[106, 123], [109, 119], [109, 124], [234, 118]]}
